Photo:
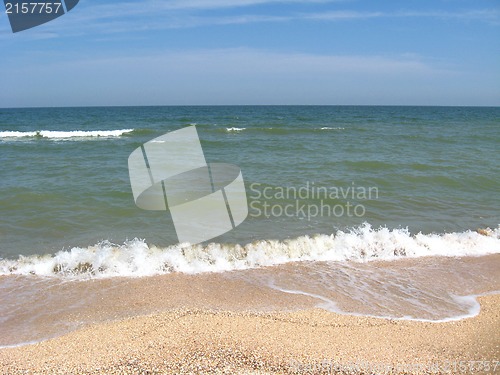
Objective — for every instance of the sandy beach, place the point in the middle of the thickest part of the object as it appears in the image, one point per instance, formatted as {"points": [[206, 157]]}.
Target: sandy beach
{"points": [[310, 341], [252, 187]]}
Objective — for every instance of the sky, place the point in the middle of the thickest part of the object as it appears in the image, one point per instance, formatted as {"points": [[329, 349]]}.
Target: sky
{"points": [[228, 52]]}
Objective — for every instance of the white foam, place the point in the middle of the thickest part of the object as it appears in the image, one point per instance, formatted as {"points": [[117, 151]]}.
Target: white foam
{"points": [[469, 302], [65, 134], [233, 129], [329, 128], [327, 304], [21, 344], [362, 244]]}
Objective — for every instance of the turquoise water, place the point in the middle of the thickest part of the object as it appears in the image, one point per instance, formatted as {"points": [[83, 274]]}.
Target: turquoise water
{"points": [[430, 169]]}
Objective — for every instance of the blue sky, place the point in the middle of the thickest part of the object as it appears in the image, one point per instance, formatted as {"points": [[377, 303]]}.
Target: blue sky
{"points": [[183, 52]]}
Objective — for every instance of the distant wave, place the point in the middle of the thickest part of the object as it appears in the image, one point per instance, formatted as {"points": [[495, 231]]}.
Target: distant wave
{"points": [[54, 134], [137, 258], [278, 129]]}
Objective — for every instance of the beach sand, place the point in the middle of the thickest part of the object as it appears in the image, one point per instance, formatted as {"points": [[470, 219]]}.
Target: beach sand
{"points": [[311, 341]]}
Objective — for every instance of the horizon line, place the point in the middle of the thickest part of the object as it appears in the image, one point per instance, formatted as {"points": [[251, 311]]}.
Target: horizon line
{"points": [[256, 105]]}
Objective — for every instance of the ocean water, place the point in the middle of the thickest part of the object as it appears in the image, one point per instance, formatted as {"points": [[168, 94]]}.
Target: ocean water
{"points": [[346, 204]]}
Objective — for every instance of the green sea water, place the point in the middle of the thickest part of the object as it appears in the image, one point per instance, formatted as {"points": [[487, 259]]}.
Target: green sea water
{"points": [[64, 178]]}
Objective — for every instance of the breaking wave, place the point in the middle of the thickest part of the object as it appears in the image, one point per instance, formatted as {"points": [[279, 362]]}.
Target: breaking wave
{"points": [[362, 244], [53, 134]]}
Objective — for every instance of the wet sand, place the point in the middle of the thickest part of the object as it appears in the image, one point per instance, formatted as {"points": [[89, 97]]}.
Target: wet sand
{"points": [[33, 308], [311, 341]]}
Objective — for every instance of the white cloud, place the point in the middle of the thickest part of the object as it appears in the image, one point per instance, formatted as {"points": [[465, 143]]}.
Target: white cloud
{"points": [[241, 61], [212, 4], [168, 14], [343, 15], [226, 76], [491, 16]]}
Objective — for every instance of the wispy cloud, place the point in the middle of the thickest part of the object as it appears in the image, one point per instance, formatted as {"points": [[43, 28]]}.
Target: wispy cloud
{"points": [[342, 15], [154, 15], [237, 75], [112, 17], [156, 7], [481, 15], [213, 4], [256, 62]]}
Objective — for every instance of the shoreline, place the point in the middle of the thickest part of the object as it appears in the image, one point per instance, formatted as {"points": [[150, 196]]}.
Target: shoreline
{"points": [[442, 289], [301, 342]]}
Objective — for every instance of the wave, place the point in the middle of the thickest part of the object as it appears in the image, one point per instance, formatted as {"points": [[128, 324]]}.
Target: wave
{"points": [[469, 304], [276, 130], [54, 134], [136, 258]]}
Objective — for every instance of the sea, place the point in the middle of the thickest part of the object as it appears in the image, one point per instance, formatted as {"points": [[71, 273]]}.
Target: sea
{"points": [[386, 211]]}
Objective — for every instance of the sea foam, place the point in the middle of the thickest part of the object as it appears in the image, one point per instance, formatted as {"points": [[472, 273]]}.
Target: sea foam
{"points": [[136, 258], [54, 134]]}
